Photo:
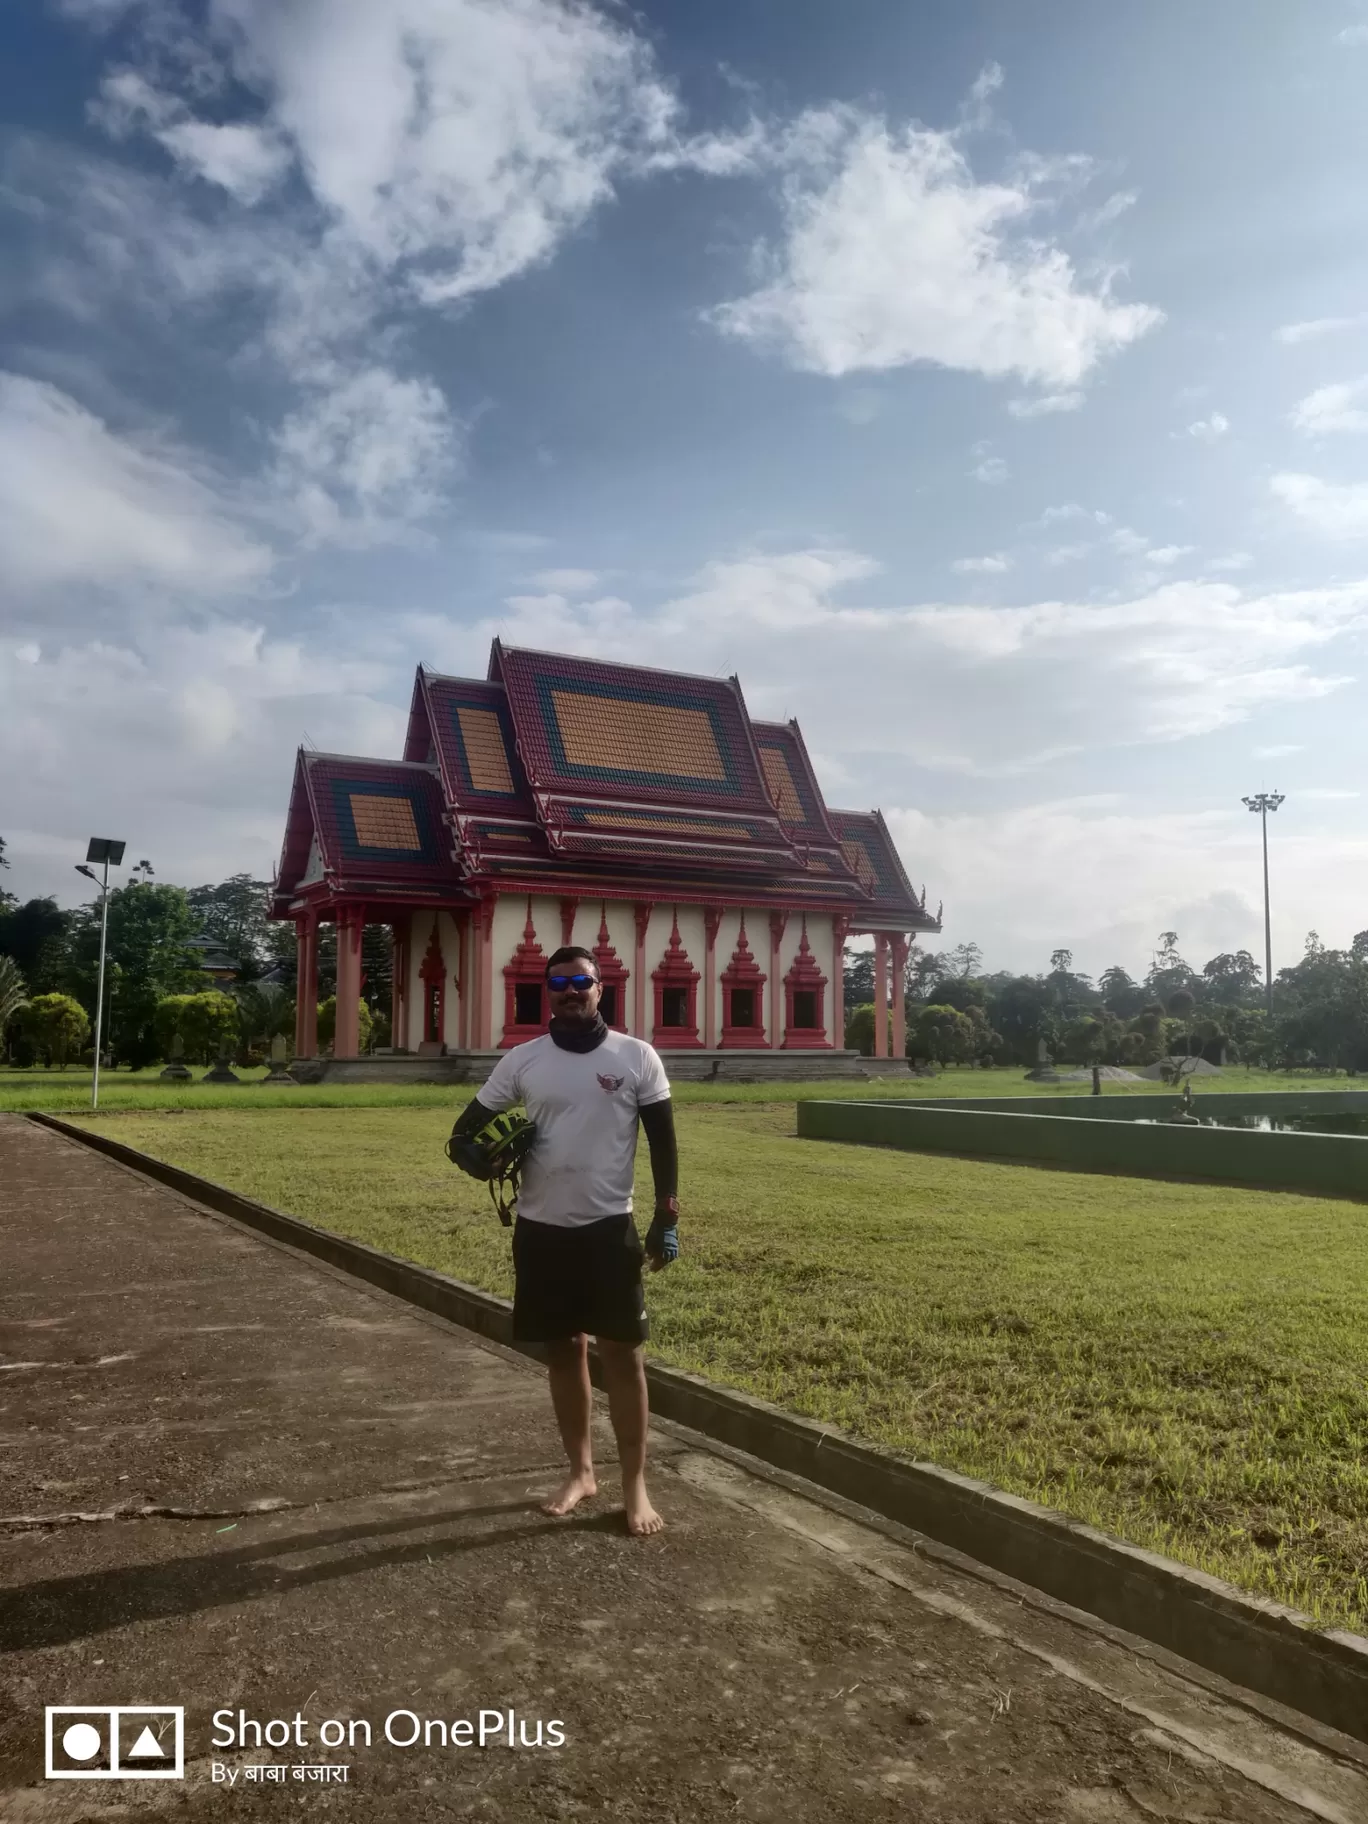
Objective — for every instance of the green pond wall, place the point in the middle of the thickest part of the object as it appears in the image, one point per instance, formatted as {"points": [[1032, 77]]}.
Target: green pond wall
{"points": [[1127, 1105], [1336, 1164]]}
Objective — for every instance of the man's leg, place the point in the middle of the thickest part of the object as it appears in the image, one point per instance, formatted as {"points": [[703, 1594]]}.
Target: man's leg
{"points": [[624, 1379], [573, 1400]]}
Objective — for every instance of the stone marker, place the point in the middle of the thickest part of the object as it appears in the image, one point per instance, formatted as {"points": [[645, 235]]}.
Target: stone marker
{"points": [[279, 1071], [222, 1072], [176, 1071]]}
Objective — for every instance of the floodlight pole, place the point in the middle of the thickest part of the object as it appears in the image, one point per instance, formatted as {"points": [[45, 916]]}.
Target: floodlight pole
{"points": [[99, 991], [103, 849], [1263, 803]]}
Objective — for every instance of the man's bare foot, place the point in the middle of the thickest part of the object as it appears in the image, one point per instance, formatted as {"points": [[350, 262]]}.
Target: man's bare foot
{"points": [[642, 1518], [580, 1486]]}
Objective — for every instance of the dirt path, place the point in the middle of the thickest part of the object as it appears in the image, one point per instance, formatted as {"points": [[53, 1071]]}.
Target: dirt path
{"points": [[233, 1480]]}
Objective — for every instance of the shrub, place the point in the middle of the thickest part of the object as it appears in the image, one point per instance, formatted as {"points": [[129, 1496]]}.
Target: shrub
{"points": [[207, 1024], [327, 1023], [56, 1026]]}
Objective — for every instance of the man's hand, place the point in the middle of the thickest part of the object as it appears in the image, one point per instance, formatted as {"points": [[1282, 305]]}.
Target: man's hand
{"points": [[662, 1240]]}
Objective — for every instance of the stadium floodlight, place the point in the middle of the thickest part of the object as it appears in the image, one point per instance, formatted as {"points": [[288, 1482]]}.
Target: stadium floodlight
{"points": [[1261, 804], [106, 852]]}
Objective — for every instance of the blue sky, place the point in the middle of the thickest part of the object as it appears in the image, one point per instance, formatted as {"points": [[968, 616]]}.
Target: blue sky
{"points": [[986, 385]]}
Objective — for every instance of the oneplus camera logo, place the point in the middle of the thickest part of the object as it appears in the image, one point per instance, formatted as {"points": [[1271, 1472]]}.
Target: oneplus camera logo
{"points": [[115, 1741]]}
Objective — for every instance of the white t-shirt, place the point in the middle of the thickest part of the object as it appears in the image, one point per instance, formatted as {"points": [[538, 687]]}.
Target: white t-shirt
{"points": [[584, 1106]]}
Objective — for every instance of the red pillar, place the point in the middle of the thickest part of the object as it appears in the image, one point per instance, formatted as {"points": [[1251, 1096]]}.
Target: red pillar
{"points": [[839, 927], [347, 1036], [306, 986], [899, 986], [778, 924], [880, 995], [712, 920], [642, 915], [482, 919]]}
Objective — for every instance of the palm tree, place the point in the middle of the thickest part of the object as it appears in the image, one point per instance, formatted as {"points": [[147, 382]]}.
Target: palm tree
{"points": [[261, 1007], [13, 993]]}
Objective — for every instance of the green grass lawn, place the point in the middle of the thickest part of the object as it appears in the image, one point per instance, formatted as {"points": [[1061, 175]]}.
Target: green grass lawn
{"points": [[1183, 1365], [69, 1091]]}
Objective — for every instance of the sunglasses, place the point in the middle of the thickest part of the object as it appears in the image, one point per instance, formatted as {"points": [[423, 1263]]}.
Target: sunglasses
{"points": [[559, 983]]}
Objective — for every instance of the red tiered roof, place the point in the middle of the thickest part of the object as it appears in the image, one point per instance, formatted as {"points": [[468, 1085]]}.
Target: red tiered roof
{"points": [[568, 775]]}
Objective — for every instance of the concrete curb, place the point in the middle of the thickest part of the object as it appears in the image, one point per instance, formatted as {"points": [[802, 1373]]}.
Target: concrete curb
{"points": [[1255, 1643]]}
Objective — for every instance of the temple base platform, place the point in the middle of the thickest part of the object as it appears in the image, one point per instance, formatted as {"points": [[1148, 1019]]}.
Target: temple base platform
{"points": [[680, 1067]]}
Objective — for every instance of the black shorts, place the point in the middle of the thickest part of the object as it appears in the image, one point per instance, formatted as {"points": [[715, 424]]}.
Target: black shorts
{"points": [[584, 1280]]}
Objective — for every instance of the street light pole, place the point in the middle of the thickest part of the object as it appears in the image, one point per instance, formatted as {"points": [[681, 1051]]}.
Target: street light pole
{"points": [[101, 849], [1263, 803]]}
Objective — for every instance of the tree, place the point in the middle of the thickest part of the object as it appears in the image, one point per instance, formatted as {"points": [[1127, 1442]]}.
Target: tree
{"points": [[858, 972], [963, 960], [6, 899], [264, 1010], [207, 1024], [56, 1026], [925, 968], [13, 994], [233, 913], [1168, 972], [947, 1036], [1120, 995], [149, 923], [327, 1023], [35, 935], [1232, 979], [1021, 1008]]}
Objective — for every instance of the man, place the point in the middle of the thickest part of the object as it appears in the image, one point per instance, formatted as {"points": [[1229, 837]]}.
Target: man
{"points": [[576, 1254]]}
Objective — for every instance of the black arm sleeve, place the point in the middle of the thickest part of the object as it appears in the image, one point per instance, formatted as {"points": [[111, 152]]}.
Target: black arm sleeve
{"points": [[471, 1119], [657, 1118]]}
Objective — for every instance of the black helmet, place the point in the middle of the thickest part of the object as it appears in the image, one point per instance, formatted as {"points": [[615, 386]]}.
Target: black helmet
{"points": [[496, 1155]]}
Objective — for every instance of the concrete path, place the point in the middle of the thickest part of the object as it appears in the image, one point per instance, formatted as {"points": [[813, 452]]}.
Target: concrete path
{"points": [[233, 1480]]}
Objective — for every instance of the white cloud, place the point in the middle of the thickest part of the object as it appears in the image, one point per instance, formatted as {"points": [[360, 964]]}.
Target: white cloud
{"points": [[1339, 509], [1278, 751], [992, 469], [365, 455], [894, 253], [240, 157], [1167, 555], [1315, 327], [1129, 869], [437, 149], [1233, 560], [182, 738], [994, 565], [1209, 430], [454, 140], [82, 506], [1044, 404], [1337, 407], [1066, 554], [567, 582], [1183, 658]]}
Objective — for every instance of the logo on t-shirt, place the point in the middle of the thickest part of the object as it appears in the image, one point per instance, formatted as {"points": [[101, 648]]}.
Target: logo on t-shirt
{"points": [[609, 1084]]}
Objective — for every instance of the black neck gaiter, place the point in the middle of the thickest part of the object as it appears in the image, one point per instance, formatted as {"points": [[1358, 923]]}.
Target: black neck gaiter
{"points": [[574, 1037]]}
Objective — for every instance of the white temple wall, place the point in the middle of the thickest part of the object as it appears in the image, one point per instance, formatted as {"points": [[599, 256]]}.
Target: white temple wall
{"points": [[449, 935], [419, 937], [821, 942], [510, 916]]}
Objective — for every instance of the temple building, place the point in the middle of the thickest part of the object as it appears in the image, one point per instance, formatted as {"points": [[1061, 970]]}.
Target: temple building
{"points": [[640, 813]]}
